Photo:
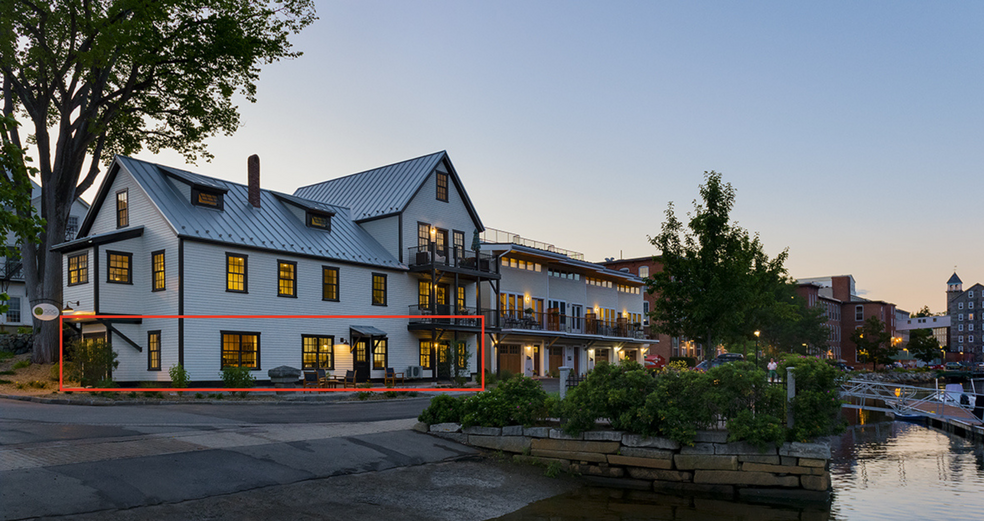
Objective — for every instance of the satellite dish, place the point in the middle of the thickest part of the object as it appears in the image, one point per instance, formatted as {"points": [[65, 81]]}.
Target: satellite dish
{"points": [[45, 312]]}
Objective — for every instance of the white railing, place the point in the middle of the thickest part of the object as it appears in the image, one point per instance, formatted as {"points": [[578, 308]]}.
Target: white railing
{"points": [[494, 236]]}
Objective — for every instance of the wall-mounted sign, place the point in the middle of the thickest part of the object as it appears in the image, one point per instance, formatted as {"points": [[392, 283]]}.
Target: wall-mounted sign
{"points": [[45, 312]]}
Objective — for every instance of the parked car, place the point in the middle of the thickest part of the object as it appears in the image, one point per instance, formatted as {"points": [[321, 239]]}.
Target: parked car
{"points": [[654, 361], [954, 366], [938, 367], [703, 366], [843, 367], [731, 357]]}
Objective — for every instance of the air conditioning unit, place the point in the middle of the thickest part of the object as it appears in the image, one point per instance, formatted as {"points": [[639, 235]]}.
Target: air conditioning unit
{"points": [[415, 371]]}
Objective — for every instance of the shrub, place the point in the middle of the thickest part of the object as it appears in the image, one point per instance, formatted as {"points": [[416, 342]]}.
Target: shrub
{"points": [[614, 391], [816, 407], [443, 409], [90, 361], [21, 364], [689, 360], [517, 401], [179, 376], [682, 403], [25, 330], [238, 378], [505, 374]]}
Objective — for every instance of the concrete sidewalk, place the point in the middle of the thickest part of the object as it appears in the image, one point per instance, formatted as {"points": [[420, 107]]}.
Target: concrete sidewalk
{"points": [[79, 476]]}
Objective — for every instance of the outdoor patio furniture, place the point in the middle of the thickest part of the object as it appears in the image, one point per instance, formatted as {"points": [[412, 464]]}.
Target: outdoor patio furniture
{"points": [[311, 379], [348, 379], [391, 376]]}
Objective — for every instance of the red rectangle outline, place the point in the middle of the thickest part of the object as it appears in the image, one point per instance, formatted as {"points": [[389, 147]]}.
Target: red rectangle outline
{"points": [[61, 357]]}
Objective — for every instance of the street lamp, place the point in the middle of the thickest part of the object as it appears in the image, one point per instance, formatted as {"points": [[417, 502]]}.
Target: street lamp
{"points": [[757, 333]]}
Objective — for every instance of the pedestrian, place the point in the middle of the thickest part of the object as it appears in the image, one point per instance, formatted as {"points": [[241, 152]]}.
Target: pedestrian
{"points": [[772, 370]]}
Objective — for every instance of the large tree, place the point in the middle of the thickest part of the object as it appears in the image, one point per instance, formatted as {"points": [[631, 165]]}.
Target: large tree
{"points": [[95, 78], [716, 281], [873, 342]]}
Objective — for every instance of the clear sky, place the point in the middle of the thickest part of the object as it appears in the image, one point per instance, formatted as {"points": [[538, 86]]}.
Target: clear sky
{"points": [[852, 131]]}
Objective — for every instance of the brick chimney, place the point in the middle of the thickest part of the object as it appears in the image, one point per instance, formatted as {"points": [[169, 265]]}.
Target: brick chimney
{"points": [[253, 167]]}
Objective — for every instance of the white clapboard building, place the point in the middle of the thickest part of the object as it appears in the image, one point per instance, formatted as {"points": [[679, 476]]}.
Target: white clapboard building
{"points": [[379, 246]]}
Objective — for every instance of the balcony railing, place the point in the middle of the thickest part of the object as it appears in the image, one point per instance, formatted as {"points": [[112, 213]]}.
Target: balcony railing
{"points": [[11, 270], [555, 321], [454, 257], [471, 320]]}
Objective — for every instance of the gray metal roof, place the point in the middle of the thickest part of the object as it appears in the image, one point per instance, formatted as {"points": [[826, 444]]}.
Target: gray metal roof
{"points": [[367, 330], [954, 279], [386, 190], [273, 226]]}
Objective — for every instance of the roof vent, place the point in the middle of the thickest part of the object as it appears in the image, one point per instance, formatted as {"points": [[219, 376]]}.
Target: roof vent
{"points": [[253, 169], [624, 270]]}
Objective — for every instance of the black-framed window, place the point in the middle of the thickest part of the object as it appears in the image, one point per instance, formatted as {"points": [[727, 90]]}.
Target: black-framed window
{"points": [[329, 283], [442, 187], [319, 221], [153, 350], [461, 298], [462, 358], [423, 294], [441, 237], [157, 271], [241, 349], [14, 309], [379, 354], [119, 269], [207, 198], [72, 228], [122, 209], [78, 269], [458, 238], [426, 350], [423, 235], [286, 278], [378, 289], [317, 352], [237, 280]]}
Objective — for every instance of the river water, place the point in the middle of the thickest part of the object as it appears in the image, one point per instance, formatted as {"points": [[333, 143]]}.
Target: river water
{"points": [[881, 470]]}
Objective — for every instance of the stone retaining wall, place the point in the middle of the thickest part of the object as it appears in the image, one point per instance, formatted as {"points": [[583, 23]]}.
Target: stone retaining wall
{"points": [[17, 343], [795, 471]]}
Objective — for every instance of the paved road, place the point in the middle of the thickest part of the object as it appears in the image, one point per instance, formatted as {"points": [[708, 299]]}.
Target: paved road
{"points": [[62, 459]]}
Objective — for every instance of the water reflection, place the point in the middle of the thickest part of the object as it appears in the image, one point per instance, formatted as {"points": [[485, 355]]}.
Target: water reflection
{"points": [[601, 504], [896, 470], [880, 470]]}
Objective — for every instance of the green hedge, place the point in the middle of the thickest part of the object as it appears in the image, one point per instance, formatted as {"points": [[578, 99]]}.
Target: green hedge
{"points": [[674, 403]]}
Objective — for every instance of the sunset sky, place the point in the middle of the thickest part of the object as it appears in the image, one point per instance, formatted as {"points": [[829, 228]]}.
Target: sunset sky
{"points": [[851, 131]]}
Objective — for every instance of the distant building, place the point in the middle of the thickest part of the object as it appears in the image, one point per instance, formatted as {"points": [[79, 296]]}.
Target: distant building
{"points": [[963, 307], [854, 311], [939, 325]]}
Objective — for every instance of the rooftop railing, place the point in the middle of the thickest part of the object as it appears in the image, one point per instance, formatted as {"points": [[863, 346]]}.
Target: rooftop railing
{"points": [[492, 235]]}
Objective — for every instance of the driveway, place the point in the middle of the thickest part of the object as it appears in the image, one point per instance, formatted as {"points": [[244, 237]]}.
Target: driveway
{"points": [[61, 459]]}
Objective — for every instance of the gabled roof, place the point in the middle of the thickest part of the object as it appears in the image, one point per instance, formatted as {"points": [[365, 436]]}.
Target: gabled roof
{"points": [[386, 190], [273, 226], [954, 279]]}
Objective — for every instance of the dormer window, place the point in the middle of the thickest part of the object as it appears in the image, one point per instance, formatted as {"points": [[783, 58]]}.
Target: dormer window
{"points": [[206, 198], [442, 187], [320, 221]]}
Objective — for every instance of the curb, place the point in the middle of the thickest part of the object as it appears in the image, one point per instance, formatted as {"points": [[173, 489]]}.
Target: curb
{"points": [[306, 400]]}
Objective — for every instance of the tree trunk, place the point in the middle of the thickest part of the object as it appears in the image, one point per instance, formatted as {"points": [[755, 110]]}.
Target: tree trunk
{"points": [[43, 277]]}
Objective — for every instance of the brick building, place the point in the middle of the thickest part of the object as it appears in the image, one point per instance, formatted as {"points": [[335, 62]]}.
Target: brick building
{"points": [[854, 311]]}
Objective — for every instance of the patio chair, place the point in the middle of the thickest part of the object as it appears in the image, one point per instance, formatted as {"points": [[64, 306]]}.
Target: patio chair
{"points": [[311, 380], [322, 378], [348, 379], [391, 377]]}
